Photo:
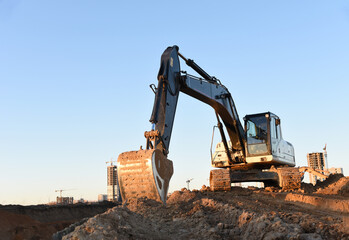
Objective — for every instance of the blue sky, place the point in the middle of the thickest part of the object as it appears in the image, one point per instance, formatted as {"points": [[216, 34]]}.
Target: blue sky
{"points": [[75, 74]]}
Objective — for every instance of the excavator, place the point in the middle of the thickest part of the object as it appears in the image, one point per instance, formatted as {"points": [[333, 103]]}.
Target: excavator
{"points": [[253, 153]]}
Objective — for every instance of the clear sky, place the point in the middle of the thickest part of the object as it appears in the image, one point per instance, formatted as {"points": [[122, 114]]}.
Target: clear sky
{"points": [[75, 79]]}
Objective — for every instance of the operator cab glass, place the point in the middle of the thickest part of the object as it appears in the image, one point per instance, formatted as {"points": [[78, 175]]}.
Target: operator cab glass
{"points": [[257, 134]]}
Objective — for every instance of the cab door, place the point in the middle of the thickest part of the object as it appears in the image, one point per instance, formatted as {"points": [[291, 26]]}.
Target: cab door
{"points": [[274, 138]]}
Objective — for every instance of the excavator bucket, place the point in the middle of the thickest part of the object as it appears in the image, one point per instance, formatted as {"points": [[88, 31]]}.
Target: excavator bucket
{"points": [[144, 173]]}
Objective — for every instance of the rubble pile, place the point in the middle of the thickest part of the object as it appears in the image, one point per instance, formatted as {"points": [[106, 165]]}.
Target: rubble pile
{"points": [[238, 214]]}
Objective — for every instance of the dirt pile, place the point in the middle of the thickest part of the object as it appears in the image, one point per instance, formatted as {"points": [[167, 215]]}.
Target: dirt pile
{"points": [[335, 183], [18, 226], [339, 187], [237, 214], [41, 221]]}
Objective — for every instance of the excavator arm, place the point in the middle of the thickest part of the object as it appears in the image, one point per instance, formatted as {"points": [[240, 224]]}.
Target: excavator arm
{"points": [[165, 103], [146, 173], [208, 89]]}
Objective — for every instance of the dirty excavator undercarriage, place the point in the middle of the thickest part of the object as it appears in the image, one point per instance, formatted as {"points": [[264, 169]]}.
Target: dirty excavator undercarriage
{"points": [[284, 177]]}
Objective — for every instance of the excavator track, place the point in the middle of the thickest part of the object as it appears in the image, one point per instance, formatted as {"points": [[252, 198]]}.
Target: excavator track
{"points": [[144, 173]]}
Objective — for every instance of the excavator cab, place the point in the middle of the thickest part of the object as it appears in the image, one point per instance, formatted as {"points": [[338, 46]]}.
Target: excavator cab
{"points": [[264, 142], [268, 159], [264, 145]]}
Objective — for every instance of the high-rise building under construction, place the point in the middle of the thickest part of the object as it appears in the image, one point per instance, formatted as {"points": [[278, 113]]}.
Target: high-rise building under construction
{"points": [[113, 192], [318, 161]]}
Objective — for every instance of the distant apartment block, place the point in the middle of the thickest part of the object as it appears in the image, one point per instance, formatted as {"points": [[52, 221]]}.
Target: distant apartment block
{"points": [[102, 197], [336, 170], [81, 200]]}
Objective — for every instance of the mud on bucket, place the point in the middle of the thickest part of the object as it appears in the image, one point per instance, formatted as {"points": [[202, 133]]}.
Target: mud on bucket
{"points": [[144, 173]]}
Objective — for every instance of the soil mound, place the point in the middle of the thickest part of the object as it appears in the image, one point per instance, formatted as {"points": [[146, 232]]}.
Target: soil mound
{"points": [[41, 221], [179, 196], [237, 214], [330, 180], [334, 184], [18, 226], [339, 187]]}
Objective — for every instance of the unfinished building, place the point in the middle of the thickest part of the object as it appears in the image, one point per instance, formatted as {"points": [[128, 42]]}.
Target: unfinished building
{"points": [[317, 161], [112, 184]]}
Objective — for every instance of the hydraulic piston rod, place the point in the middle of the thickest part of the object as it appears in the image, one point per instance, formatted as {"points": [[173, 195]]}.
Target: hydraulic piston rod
{"points": [[198, 69]]}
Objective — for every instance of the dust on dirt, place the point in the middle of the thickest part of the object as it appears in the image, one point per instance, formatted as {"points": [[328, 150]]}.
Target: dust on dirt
{"points": [[237, 214]]}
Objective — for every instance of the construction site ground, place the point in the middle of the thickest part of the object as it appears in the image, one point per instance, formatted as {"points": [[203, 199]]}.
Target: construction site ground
{"points": [[241, 213], [42, 221], [320, 212]]}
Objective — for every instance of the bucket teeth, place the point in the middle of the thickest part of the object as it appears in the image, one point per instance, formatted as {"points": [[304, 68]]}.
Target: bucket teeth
{"points": [[144, 173]]}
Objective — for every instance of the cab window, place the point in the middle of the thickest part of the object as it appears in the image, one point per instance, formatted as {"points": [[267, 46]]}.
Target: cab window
{"points": [[257, 135], [273, 128]]}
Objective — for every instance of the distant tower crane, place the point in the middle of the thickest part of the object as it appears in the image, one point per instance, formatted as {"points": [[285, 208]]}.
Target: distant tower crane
{"points": [[325, 156], [188, 181], [60, 192], [111, 162]]}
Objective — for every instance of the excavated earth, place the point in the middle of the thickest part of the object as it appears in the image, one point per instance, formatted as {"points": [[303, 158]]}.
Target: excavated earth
{"points": [[41, 221], [313, 212]]}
